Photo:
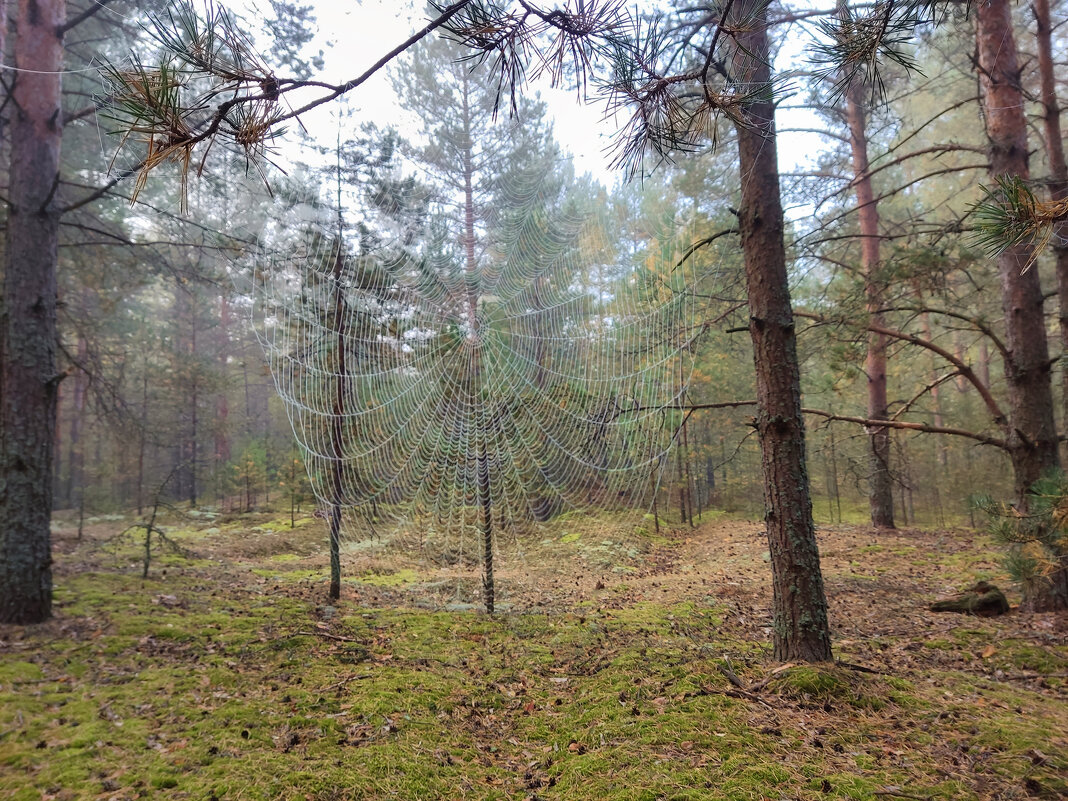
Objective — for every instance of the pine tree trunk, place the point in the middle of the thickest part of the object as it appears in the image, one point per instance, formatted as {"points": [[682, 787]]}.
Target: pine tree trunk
{"points": [[800, 628], [1058, 177], [1056, 596], [28, 376], [1032, 435], [337, 433], [880, 494]]}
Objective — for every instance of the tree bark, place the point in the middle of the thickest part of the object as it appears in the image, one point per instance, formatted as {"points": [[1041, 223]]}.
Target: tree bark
{"points": [[1058, 173], [880, 482], [1032, 435], [1055, 596], [28, 377], [800, 628]]}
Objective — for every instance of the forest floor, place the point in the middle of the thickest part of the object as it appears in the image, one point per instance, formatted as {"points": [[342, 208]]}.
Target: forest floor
{"points": [[617, 669]]}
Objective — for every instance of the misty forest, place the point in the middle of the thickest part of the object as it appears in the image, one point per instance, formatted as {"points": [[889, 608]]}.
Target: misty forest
{"points": [[526, 400]]}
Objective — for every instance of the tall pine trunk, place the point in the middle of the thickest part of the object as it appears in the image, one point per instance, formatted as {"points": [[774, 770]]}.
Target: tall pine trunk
{"points": [[28, 377], [1055, 595], [1032, 435], [880, 482], [1058, 174], [800, 628]]}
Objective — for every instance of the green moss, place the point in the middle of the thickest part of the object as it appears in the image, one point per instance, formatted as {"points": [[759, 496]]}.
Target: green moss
{"points": [[210, 681], [285, 557], [291, 575], [396, 578], [19, 672]]}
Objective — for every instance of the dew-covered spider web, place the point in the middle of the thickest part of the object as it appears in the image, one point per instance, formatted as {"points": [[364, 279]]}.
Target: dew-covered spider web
{"points": [[461, 388]]}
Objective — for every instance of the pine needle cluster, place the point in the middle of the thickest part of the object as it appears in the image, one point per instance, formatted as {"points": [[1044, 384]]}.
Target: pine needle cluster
{"points": [[210, 81], [1036, 539], [1011, 214]]}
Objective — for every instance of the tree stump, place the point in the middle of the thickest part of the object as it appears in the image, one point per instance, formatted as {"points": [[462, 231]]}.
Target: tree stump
{"points": [[984, 600]]}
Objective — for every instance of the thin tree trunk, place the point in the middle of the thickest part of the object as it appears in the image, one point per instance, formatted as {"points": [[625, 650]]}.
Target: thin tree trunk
{"points": [[337, 433], [194, 401], [480, 456], [834, 479], [687, 473], [1058, 174], [75, 446], [58, 484], [1032, 434], [28, 376], [141, 441], [1055, 596], [222, 403], [800, 626], [880, 493]]}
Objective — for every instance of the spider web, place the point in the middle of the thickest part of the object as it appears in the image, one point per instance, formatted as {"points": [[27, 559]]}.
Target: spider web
{"points": [[539, 381]]}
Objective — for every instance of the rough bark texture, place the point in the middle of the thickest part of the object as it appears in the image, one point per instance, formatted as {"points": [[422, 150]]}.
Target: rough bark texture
{"points": [[880, 482], [28, 378], [800, 630], [1032, 434], [1058, 171], [1055, 596]]}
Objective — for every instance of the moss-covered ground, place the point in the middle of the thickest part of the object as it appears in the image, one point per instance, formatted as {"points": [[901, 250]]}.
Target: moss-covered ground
{"points": [[620, 670]]}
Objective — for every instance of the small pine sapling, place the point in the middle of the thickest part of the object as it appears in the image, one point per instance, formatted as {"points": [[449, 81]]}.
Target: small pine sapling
{"points": [[1037, 541]]}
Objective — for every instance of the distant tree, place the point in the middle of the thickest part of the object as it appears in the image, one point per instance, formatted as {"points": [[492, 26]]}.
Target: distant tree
{"points": [[880, 482]]}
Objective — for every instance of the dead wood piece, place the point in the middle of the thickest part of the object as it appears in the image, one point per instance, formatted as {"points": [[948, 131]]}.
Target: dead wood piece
{"points": [[983, 600], [859, 668]]}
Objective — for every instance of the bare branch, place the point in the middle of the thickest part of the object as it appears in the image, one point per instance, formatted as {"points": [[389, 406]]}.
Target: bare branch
{"points": [[984, 392]]}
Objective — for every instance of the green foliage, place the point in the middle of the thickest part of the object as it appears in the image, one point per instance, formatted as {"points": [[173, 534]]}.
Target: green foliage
{"points": [[1037, 539], [862, 39], [1012, 214], [209, 66]]}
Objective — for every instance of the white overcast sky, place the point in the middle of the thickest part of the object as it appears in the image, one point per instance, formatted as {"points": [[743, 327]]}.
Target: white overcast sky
{"points": [[353, 35]]}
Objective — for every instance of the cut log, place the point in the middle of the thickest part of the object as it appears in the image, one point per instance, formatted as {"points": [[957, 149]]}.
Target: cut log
{"points": [[984, 600]]}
